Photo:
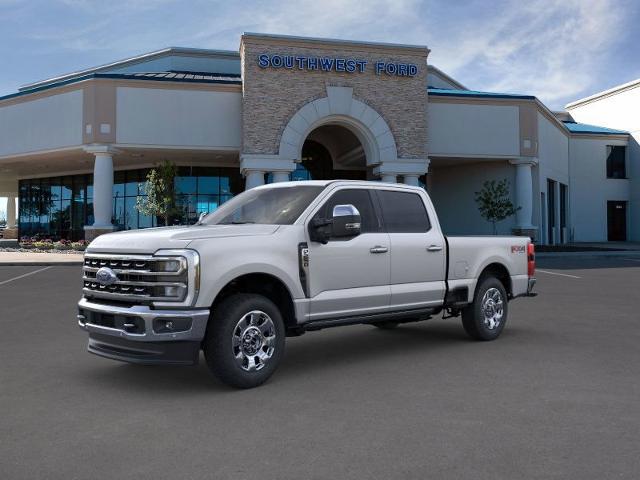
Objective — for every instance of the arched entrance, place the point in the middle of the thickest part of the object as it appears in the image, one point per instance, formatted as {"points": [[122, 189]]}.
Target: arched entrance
{"points": [[333, 152]]}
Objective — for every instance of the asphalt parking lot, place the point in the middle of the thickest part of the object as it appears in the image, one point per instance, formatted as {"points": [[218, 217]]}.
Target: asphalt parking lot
{"points": [[557, 396]]}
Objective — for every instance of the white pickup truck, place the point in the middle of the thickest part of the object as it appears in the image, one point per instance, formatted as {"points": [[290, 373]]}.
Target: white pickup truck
{"points": [[286, 258]]}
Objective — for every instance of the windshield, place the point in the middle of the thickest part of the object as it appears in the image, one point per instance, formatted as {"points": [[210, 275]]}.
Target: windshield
{"points": [[271, 206]]}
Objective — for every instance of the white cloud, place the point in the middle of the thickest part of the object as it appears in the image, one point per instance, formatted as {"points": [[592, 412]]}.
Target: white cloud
{"points": [[553, 49]]}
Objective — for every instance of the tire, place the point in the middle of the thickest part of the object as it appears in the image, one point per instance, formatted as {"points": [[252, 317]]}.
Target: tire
{"points": [[245, 340], [386, 325], [486, 324]]}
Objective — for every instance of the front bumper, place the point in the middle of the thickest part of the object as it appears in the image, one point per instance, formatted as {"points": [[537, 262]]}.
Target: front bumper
{"points": [[139, 334]]}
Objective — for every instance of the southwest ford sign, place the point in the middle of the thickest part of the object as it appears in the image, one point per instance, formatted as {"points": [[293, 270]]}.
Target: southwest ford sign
{"points": [[335, 64]]}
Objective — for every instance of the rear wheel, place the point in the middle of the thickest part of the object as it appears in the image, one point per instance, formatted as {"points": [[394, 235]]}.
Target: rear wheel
{"points": [[245, 340], [484, 319]]}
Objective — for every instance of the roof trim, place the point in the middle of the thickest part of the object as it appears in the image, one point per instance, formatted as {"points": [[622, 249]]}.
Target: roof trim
{"points": [[605, 93], [445, 92], [132, 61], [334, 41], [118, 76], [585, 128]]}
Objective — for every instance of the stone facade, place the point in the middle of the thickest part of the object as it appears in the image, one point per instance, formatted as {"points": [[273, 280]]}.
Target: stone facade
{"points": [[272, 96]]}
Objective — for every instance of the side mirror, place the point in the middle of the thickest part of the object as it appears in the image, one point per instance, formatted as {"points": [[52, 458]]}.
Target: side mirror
{"points": [[346, 221]]}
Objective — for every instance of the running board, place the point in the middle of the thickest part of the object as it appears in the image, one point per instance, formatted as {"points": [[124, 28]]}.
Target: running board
{"points": [[405, 316]]}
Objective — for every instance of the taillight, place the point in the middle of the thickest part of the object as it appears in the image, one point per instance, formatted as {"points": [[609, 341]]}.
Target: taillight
{"points": [[531, 259]]}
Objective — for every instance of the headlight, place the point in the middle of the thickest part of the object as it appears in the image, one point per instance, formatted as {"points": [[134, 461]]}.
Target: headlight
{"points": [[181, 284]]}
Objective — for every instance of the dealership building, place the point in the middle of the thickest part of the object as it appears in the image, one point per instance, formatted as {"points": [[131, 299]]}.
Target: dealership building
{"points": [[75, 150]]}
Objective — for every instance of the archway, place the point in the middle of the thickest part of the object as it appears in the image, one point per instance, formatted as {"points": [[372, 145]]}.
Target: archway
{"points": [[332, 151], [336, 121]]}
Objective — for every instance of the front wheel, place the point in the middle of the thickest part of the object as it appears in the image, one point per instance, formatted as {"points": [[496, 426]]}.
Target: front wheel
{"points": [[484, 319], [245, 340]]}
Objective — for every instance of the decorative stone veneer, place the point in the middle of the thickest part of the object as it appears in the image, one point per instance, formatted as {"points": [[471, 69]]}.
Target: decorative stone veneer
{"points": [[272, 96]]}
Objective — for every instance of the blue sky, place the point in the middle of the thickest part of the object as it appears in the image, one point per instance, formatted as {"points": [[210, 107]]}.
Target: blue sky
{"points": [[557, 50]]}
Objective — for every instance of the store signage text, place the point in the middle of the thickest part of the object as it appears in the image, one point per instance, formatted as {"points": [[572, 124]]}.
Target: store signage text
{"points": [[335, 64]]}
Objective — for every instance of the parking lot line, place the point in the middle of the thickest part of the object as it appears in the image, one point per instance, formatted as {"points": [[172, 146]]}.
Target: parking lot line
{"points": [[25, 275], [556, 273]]}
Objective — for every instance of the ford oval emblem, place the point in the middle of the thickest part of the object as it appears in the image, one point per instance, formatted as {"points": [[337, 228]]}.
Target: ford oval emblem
{"points": [[105, 276]]}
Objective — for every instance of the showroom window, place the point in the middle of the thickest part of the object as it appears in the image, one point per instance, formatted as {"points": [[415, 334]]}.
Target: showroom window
{"points": [[60, 207]]}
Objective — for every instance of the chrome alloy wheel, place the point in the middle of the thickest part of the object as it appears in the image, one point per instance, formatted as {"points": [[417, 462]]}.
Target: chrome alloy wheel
{"points": [[254, 340], [492, 308]]}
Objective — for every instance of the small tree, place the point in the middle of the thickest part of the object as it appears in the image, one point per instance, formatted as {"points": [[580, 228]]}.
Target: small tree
{"points": [[160, 199], [494, 203]]}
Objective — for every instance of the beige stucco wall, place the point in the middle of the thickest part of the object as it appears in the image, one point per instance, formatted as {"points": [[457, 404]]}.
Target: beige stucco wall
{"points": [[272, 96]]}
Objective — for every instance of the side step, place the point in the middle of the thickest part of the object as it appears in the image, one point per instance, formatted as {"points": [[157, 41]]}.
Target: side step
{"points": [[405, 316]]}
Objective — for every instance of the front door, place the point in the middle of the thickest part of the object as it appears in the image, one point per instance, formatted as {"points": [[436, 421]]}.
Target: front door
{"points": [[418, 253], [617, 221], [350, 277]]}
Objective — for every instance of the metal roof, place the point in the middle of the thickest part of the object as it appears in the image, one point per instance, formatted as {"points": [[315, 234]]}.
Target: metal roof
{"points": [[575, 127], [186, 77], [133, 60], [445, 92]]}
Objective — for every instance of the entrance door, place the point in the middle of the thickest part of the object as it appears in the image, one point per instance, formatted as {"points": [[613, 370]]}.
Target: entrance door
{"points": [[617, 221]]}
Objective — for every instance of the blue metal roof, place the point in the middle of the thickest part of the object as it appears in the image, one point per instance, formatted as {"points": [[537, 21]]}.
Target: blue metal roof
{"points": [[445, 92], [575, 127], [188, 77]]}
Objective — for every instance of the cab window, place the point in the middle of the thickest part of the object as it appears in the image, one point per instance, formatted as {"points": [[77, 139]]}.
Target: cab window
{"points": [[403, 212], [359, 198]]}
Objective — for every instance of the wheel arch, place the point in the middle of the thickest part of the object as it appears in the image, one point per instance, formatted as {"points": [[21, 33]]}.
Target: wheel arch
{"points": [[499, 271], [264, 284]]}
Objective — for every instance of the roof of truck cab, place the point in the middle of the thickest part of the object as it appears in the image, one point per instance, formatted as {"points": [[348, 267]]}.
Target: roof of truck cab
{"points": [[324, 183]]}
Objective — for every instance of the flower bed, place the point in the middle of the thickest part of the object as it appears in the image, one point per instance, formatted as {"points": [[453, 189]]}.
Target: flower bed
{"points": [[40, 245]]}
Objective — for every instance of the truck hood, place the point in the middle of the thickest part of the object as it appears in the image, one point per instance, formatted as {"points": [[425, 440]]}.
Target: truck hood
{"points": [[151, 239]]}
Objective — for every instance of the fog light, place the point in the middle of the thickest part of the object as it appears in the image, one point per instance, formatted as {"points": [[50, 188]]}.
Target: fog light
{"points": [[161, 325]]}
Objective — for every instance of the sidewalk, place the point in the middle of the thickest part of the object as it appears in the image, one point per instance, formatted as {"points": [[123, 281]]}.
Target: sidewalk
{"points": [[38, 259]]}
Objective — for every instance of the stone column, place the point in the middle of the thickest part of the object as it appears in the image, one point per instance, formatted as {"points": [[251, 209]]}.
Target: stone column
{"points": [[253, 178], [412, 180], [389, 178], [11, 232], [11, 212], [524, 196], [102, 191], [280, 176], [254, 166]]}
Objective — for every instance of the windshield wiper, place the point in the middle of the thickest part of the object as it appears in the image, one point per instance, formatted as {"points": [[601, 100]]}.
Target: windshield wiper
{"points": [[235, 222]]}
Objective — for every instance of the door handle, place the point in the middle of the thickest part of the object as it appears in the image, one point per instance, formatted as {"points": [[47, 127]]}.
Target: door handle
{"points": [[379, 249], [434, 248]]}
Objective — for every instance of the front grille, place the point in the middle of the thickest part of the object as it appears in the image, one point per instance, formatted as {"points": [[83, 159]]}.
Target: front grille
{"points": [[138, 278]]}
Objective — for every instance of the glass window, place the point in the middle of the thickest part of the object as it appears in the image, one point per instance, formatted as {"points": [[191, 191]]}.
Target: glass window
{"points": [[359, 198], [67, 188], [403, 212], [119, 180], [131, 214], [208, 185], [274, 206], [131, 184], [185, 185], [616, 161]]}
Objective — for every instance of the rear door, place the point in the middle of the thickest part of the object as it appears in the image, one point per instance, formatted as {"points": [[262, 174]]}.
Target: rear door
{"points": [[417, 251], [350, 277]]}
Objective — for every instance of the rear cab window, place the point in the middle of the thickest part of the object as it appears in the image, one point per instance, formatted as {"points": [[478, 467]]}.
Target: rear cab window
{"points": [[403, 212]]}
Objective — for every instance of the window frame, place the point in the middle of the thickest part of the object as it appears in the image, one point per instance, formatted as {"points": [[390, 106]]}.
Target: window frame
{"points": [[378, 196], [330, 194]]}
